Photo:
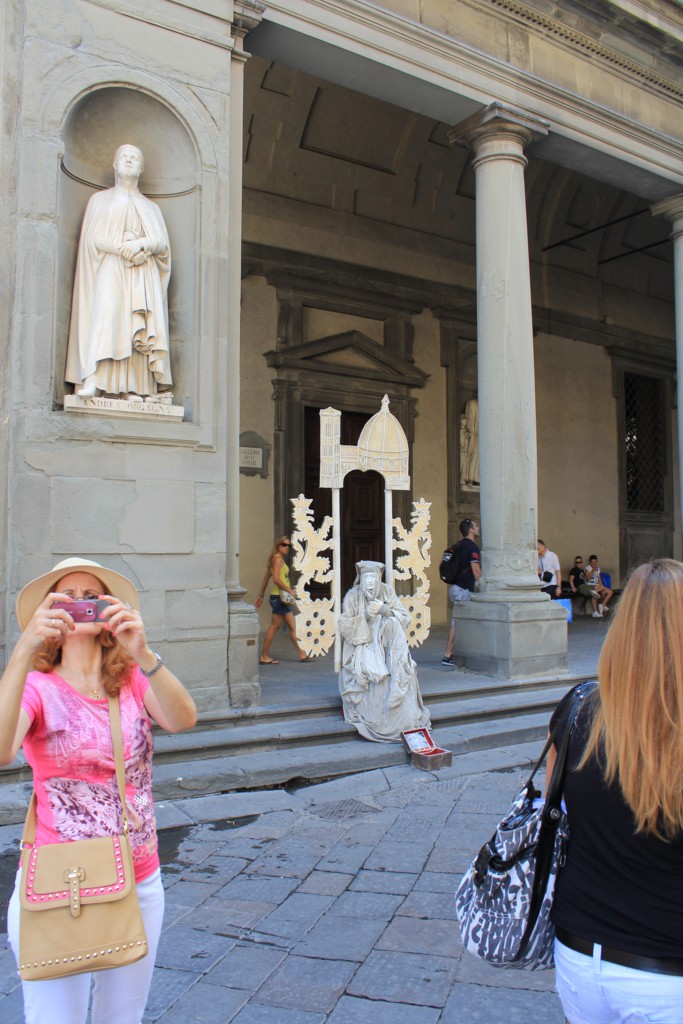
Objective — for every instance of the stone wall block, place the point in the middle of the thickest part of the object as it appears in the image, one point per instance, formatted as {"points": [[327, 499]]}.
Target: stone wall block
{"points": [[210, 517], [201, 665], [177, 572], [196, 610], [32, 494], [152, 609], [74, 458], [37, 183], [160, 519], [166, 462], [85, 512]]}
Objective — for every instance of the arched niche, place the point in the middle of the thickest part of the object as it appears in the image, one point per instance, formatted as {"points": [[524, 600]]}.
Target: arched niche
{"points": [[98, 123]]}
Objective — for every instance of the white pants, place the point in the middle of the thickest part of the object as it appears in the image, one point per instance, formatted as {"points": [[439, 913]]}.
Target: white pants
{"points": [[119, 994], [596, 992]]}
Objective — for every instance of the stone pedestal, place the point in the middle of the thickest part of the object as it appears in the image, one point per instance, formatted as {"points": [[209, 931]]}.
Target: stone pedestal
{"points": [[511, 639], [244, 689]]}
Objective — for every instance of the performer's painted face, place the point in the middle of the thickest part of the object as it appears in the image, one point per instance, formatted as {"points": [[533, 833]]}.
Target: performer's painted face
{"points": [[369, 582]]}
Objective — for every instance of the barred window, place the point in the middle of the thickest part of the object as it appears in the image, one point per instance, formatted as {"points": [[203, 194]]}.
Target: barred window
{"points": [[644, 443]]}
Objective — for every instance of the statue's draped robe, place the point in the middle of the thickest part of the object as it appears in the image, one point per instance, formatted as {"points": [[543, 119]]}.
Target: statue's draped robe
{"points": [[378, 678], [119, 316]]}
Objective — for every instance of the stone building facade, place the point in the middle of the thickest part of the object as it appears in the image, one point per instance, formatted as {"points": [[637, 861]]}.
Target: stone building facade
{"points": [[440, 202]]}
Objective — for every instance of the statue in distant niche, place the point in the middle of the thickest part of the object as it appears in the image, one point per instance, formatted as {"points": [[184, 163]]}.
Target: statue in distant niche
{"points": [[118, 338], [378, 678], [469, 445]]}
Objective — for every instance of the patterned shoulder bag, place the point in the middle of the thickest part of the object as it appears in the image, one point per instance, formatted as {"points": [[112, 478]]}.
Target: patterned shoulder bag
{"points": [[504, 900]]}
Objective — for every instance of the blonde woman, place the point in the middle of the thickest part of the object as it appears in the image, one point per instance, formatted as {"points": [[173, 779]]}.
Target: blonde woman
{"points": [[618, 904], [53, 702], [278, 570]]}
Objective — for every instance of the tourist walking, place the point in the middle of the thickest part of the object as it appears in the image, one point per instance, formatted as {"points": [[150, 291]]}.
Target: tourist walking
{"points": [[281, 596]]}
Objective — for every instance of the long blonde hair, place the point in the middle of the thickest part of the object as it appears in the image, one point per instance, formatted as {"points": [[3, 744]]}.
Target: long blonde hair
{"points": [[637, 726], [116, 664]]}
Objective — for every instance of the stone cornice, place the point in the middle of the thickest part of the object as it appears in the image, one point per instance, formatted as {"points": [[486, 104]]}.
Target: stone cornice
{"points": [[579, 41]]}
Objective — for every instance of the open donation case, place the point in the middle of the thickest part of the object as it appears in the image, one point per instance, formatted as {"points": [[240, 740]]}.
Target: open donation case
{"points": [[423, 751]]}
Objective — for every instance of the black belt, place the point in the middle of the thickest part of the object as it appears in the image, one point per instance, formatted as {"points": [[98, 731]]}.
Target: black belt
{"points": [[666, 965]]}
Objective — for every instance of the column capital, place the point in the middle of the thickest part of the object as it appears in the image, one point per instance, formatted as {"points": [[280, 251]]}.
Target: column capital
{"points": [[672, 209], [499, 121], [247, 15]]}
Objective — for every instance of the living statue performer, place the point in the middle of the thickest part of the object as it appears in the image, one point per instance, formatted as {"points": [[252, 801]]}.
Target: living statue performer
{"points": [[378, 678], [118, 338]]}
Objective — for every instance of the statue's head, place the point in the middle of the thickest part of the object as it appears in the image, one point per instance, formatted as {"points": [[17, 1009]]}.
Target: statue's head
{"points": [[129, 159], [369, 577]]}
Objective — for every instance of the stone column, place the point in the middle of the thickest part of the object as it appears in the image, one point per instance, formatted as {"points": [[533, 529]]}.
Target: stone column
{"points": [[509, 628], [672, 209], [244, 688]]}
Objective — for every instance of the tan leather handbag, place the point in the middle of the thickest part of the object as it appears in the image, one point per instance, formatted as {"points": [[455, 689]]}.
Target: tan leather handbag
{"points": [[79, 904]]}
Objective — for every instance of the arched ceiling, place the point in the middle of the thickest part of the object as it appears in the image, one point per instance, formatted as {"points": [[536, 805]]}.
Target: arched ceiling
{"points": [[312, 143]]}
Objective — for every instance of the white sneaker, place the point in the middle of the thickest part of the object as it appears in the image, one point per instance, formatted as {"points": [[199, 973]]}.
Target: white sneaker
{"points": [[596, 615]]}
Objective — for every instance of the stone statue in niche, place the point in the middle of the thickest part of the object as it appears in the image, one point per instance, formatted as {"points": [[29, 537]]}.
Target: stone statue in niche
{"points": [[378, 678], [469, 446], [118, 338]]}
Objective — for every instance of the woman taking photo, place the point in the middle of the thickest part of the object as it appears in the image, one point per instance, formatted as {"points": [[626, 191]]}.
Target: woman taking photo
{"points": [[618, 903], [278, 569], [53, 702]]}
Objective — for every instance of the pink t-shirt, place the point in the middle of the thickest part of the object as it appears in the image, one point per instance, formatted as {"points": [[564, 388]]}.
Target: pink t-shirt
{"points": [[69, 748]]}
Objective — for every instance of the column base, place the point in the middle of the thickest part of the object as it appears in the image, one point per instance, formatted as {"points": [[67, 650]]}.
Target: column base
{"points": [[511, 639], [244, 689]]}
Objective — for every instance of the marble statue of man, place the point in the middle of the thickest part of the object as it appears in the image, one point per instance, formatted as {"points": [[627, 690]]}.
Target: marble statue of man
{"points": [[472, 424], [118, 338], [378, 678]]}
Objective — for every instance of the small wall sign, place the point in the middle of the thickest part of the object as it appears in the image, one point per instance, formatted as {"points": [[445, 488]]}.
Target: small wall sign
{"points": [[254, 452]]}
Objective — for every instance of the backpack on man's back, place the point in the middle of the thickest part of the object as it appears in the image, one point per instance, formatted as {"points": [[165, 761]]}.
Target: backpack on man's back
{"points": [[449, 566]]}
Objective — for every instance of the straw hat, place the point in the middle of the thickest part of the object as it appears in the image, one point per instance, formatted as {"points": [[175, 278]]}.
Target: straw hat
{"points": [[35, 592]]}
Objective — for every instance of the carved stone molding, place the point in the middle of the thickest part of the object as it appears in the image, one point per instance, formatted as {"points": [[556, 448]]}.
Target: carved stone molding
{"points": [[247, 15], [590, 47]]}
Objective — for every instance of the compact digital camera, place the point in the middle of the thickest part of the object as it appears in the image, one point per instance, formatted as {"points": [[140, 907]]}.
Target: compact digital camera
{"points": [[84, 611]]}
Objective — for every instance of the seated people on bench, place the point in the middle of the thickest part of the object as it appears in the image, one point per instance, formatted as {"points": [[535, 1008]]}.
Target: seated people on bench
{"points": [[578, 585]]}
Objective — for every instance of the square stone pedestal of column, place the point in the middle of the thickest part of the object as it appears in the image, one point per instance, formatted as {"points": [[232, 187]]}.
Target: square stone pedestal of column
{"points": [[244, 689], [511, 639]]}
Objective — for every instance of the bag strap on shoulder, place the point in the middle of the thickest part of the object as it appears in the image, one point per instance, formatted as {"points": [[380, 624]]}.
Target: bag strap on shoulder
{"points": [[552, 809]]}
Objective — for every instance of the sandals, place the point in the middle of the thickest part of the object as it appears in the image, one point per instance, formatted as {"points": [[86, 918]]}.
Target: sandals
{"points": [[268, 661]]}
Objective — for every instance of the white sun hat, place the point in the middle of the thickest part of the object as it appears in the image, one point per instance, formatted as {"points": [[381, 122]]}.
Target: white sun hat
{"points": [[35, 592]]}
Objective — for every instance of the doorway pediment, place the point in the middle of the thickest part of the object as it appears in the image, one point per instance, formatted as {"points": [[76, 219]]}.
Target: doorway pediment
{"points": [[350, 354]]}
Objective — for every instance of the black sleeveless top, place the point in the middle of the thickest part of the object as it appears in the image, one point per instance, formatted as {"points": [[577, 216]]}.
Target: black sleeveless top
{"points": [[618, 888]]}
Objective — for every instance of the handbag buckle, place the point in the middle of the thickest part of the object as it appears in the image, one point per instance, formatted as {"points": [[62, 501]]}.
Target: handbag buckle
{"points": [[73, 877]]}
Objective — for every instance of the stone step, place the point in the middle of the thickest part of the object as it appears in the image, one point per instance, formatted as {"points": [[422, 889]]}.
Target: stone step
{"points": [[275, 728], [297, 765]]}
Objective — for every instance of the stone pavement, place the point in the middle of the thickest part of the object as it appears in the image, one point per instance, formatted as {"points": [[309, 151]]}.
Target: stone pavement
{"points": [[331, 904]]}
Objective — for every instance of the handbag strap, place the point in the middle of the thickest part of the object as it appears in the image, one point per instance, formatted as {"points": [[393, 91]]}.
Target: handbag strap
{"points": [[117, 744], [28, 835], [568, 708], [552, 809]]}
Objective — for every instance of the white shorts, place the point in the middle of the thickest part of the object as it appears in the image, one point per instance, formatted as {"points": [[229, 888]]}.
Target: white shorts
{"points": [[457, 595]]}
